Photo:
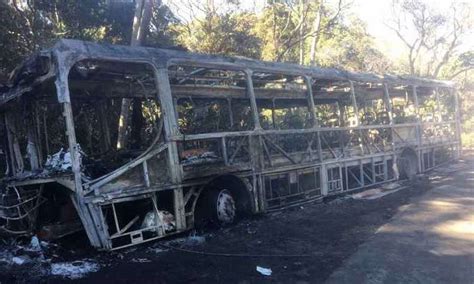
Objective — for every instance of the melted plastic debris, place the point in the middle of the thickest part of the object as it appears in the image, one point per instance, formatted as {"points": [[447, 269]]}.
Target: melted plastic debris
{"points": [[199, 157], [20, 260], [163, 219], [32, 259], [74, 270], [264, 271], [17, 254], [35, 244], [61, 161]]}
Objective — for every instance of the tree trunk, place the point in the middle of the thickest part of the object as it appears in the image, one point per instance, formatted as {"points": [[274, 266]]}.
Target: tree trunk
{"points": [[301, 33], [141, 22], [316, 31]]}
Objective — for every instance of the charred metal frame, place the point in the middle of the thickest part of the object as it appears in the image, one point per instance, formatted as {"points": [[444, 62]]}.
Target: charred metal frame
{"points": [[335, 159]]}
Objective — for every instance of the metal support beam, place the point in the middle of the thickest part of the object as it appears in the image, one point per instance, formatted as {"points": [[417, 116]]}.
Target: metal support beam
{"points": [[171, 129], [438, 115], [251, 95], [418, 128], [388, 103], [73, 147], [324, 180], [166, 102], [457, 113], [354, 103], [312, 108]]}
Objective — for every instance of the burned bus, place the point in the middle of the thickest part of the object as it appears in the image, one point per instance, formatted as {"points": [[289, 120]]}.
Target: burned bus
{"points": [[132, 144]]}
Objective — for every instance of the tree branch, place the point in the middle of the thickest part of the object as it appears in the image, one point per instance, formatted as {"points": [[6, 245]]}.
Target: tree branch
{"points": [[460, 72]]}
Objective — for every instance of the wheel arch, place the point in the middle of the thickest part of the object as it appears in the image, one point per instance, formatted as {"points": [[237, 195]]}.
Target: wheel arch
{"points": [[407, 163], [240, 189]]}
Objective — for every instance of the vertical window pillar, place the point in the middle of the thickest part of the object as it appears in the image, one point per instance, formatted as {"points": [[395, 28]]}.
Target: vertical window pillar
{"points": [[388, 103], [418, 128], [166, 101], [457, 117], [354, 103], [253, 102], [62, 89], [415, 100], [73, 147], [171, 129], [439, 117], [312, 108], [312, 111]]}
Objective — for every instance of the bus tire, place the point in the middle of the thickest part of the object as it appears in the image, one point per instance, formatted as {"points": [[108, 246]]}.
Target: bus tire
{"points": [[408, 164], [222, 206]]}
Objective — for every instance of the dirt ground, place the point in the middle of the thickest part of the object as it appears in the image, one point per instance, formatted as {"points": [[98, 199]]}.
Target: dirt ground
{"points": [[305, 244]]}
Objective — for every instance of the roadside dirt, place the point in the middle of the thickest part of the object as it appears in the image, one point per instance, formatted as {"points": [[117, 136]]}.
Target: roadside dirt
{"points": [[303, 244]]}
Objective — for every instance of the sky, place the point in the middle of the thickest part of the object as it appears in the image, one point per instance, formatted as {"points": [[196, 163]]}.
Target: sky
{"points": [[374, 12]]}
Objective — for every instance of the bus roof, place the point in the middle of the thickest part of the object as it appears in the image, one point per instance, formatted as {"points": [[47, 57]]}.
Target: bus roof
{"points": [[67, 52]]}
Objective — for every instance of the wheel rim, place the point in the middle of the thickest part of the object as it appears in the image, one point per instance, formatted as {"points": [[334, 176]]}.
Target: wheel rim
{"points": [[225, 207]]}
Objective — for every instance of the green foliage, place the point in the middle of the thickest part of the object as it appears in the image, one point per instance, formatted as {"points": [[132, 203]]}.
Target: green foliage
{"points": [[161, 34], [21, 33], [284, 30], [86, 19], [228, 34], [350, 47], [25, 29], [274, 28]]}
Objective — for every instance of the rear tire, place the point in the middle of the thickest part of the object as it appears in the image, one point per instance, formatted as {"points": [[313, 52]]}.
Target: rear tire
{"points": [[408, 164]]}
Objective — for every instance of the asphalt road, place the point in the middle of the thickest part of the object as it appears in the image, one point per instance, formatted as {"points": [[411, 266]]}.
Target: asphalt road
{"points": [[431, 240]]}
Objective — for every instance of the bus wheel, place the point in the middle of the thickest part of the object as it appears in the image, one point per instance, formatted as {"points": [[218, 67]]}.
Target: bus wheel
{"points": [[408, 164], [222, 206]]}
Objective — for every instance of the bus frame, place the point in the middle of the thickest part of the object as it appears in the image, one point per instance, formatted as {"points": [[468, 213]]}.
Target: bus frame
{"points": [[257, 166]]}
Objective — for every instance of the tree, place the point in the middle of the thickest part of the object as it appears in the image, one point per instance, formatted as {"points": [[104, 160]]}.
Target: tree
{"points": [[283, 31], [27, 26], [289, 29], [432, 38], [161, 34], [226, 33], [435, 41], [320, 25], [350, 47], [22, 31]]}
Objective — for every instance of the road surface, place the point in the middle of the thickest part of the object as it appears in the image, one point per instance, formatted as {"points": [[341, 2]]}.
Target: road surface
{"points": [[431, 240]]}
